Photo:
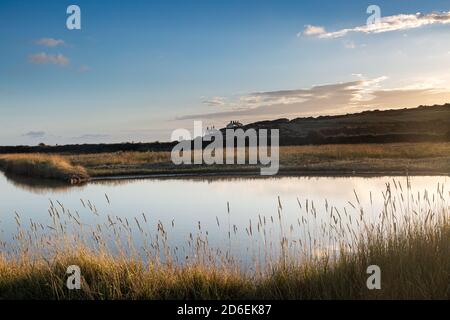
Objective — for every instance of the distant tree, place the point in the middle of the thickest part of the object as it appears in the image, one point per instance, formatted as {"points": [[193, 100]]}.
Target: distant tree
{"points": [[42, 144]]}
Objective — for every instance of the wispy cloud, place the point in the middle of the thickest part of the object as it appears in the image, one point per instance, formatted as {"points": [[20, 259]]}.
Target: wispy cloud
{"points": [[386, 24], [313, 30], [45, 58], [338, 98], [34, 134], [215, 102], [50, 42]]}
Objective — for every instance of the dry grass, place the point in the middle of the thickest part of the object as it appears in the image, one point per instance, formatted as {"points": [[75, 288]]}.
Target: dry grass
{"points": [[409, 241], [363, 158], [368, 151], [43, 166], [360, 158]]}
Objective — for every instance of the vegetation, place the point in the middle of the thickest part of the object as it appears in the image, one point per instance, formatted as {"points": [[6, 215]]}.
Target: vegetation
{"points": [[336, 159], [43, 166], [413, 125], [409, 241], [399, 158]]}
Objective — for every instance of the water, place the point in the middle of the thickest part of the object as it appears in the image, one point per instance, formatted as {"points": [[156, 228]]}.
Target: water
{"points": [[181, 204]]}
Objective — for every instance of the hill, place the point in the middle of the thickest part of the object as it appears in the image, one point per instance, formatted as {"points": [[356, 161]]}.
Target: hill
{"points": [[421, 124]]}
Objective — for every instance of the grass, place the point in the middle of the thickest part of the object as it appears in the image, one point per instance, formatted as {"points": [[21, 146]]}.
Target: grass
{"points": [[43, 166], [418, 158], [360, 158], [409, 240]]}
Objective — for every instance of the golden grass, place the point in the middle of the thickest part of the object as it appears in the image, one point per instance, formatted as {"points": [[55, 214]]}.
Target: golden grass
{"points": [[359, 158], [43, 166], [371, 151], [410, 242], [364, 158]]}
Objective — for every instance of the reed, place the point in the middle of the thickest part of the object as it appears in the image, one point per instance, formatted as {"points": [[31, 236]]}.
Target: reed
{"points": [[43, 166], [323, 256], [420, 158], [375, 158]]}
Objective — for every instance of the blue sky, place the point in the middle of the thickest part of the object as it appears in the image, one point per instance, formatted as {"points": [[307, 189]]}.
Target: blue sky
{"points": [[139, 69]]}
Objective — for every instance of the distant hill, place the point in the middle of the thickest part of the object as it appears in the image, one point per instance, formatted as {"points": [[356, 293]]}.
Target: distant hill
{"points": [[424, 123], [421, 124]]}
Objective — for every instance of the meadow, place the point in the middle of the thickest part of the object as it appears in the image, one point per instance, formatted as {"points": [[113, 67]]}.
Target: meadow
{"points": [[409, 239], [339, 159], [357, 158], [403, 158]]}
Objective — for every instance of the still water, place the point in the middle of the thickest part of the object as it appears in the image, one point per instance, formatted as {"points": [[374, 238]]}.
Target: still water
{"points": [[237, 215]]}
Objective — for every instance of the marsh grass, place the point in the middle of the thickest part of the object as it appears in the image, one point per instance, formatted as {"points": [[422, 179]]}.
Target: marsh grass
{"points": [[409, 239], [396, 157], [337, 159], [43, 166]]}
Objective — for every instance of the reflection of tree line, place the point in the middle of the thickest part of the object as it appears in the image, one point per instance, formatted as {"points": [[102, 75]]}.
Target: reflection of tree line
{"points": [[205, 178]]}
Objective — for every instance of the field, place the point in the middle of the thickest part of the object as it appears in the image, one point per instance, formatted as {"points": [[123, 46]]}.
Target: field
{"points": [[410, 244], [336, 159], [398, 158]]}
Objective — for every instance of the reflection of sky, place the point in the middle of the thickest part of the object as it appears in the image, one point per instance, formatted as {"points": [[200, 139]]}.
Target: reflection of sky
{"points": [[191, 201]]}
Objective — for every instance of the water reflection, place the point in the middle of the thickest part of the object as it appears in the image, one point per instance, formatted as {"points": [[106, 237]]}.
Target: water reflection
{"points": [[255, 211], [39, 186]]}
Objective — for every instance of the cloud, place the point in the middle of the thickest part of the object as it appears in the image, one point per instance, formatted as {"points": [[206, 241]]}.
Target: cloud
{"points": [[285, 103], [215, 102], [313, 30], [44, 58], [34, 134], [386, 24], [337, 98], [50, 42]]}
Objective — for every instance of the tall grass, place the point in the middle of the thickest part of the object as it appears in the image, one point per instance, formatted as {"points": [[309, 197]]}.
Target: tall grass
{"points": [[396, 157], [409, 239], [43, 166], [360, 158]]}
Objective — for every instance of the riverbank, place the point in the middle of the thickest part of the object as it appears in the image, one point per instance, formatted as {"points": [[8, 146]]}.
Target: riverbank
{"points": [[371, 159], [359, 159]]}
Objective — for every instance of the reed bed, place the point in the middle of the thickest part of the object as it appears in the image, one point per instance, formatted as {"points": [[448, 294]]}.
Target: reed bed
{"points": [[324, 255], [43, 166], [337, 159], [395, 157]]}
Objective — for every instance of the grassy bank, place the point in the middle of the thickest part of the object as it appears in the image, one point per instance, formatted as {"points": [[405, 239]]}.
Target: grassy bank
{"points": [[411, 158], [410, 242], [361, 158], [43, 166]]}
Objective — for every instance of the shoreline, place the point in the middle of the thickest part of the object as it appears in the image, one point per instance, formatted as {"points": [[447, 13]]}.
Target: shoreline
{"points": [[422, 159], [244, 174]]}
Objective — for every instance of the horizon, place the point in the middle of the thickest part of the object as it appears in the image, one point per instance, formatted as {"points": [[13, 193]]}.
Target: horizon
{"points": [[136, 72], [224, 127]]}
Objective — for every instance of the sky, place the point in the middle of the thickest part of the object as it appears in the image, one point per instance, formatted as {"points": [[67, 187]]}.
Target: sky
{"points": [[137, 70]]}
